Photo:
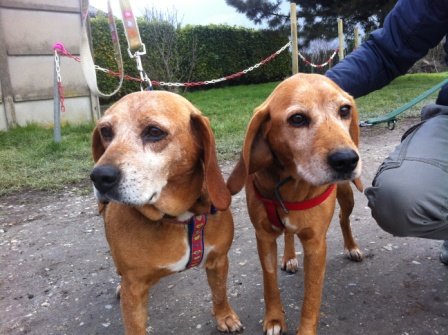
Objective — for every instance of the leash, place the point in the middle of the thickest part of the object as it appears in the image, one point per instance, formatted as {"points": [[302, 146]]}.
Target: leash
{"points": [[88, 66], [390, 117], [136, 48], [271, 205]]}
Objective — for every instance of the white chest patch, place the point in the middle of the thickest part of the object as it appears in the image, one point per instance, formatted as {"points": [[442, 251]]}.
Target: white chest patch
{"points": [[288, 226], [181, 264], [185, 216]]}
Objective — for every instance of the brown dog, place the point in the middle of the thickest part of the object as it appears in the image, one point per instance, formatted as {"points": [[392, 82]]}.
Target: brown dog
{"points": [[300, 143], [156, 168]]}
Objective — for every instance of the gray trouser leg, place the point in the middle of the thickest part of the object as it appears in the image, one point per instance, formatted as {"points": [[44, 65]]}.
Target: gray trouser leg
{"points": [[409, 195]]}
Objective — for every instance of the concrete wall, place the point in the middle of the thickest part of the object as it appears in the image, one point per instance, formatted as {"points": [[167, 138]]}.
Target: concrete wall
{"points": [[28, 31]]}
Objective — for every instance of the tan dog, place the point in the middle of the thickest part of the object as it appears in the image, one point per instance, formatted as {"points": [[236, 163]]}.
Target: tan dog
{"points": [[299, 143], [156, 168]]}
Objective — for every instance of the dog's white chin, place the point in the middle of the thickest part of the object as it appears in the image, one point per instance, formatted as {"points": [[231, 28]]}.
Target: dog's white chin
{"points": [[326, 176], [313, 176], [338, 178], [144, 199], [131, 199]]}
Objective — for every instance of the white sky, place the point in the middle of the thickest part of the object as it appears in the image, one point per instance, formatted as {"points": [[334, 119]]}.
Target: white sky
{"points": [[195, 12]]}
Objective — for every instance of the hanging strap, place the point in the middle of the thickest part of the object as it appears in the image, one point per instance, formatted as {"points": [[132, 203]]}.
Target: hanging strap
{"points": [[131, 28], [136, 48], [87, 64]]}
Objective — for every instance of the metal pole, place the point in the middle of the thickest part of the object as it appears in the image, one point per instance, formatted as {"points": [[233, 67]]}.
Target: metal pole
{"points": [[56, 102], [294, 47], [341, 39]]}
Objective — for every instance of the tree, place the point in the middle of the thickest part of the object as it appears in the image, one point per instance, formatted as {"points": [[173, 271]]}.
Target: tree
{"points": [[260, 11], [165, 61], [317, 18]]}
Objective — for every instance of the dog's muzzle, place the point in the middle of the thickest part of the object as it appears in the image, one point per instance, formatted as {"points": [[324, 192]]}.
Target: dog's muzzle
{"points": [[105, 178], [343, 162]]}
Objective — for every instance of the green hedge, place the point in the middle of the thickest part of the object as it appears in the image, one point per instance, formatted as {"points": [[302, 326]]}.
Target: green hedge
{"points": [[219, 50], [224, 50]]}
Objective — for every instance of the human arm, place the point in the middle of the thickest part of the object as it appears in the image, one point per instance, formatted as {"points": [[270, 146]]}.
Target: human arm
{"points": [[410, 30]]}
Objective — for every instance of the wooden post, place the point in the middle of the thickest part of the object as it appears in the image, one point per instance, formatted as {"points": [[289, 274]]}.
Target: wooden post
{"points": [[294, 47], [341, 39], [356, 37]]}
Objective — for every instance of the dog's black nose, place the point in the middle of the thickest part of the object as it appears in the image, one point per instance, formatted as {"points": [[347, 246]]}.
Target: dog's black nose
{"points": [[343, 161], [105, 177]]}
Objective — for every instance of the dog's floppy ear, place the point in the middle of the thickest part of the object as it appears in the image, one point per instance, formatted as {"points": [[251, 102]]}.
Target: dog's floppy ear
{"points": [[354, 134], [354, 125], [255, 153], [216, 187], [97, 146]]}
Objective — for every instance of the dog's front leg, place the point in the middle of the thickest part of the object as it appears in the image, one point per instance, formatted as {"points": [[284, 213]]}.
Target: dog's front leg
{"points": [[346, 203], [315, 249], [274, 319], [134, 301], [217, 267]]}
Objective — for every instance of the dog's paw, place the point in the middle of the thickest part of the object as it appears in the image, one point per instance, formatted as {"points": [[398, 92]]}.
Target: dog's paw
{"points": [[290, 265], [354, 254], [274, 327], [229, 324]]}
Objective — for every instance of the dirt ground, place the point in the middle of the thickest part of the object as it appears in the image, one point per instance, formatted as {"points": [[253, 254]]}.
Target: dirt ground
{"points": [[57, 276]]}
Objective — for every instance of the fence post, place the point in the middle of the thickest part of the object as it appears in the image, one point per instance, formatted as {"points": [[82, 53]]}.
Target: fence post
{"points": [[294, 47], [356, 37], [341, 39]]}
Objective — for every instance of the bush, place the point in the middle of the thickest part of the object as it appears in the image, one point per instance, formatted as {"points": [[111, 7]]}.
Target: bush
{"points": [[224, 50]]}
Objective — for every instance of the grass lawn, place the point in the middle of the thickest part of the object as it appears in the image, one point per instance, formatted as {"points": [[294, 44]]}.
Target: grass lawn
{"points": [[30, 160], [399, 92]]}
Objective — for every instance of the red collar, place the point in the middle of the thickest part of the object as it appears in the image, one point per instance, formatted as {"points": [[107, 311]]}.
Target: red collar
{"points": [[271, 205]]}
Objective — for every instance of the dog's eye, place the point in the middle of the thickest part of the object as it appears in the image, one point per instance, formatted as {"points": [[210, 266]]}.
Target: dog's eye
{"points": [[153, 134], [298, 120], [106, 133], [345, 111]]}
